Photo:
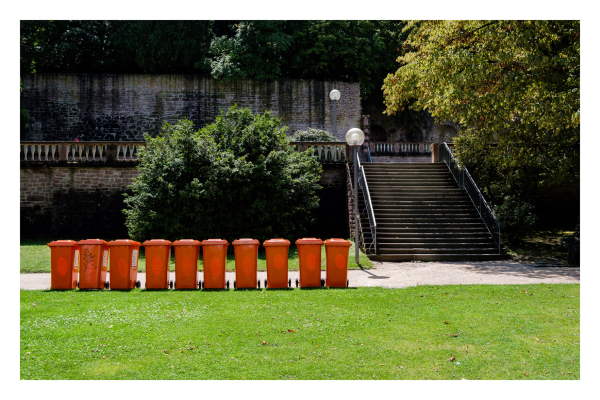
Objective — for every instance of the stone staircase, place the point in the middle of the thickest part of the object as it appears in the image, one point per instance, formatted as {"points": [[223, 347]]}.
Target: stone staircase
{"points": [[422, 214]]}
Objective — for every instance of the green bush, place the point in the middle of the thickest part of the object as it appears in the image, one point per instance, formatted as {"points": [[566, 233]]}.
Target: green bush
{"points": [[569, 240], [312, 135], [236, 178], [516, 218]]}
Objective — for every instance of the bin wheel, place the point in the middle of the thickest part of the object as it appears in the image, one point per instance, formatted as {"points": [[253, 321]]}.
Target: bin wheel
{"points": [[234, 284], [296, 282], [77, 284], [170, 284], [228, 284], [138, 284], [322, 282], [265, 283], [202, 284], [258, 283], [347, 282], [199, 284], [290, 282], [106, 285]]}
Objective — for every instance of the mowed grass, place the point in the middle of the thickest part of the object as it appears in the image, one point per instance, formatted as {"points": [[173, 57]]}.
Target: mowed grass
{"points": [[35, 257], [426, 332]]}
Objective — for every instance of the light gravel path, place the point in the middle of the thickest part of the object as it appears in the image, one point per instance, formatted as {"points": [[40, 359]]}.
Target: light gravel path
{"points": [[404, 274]]}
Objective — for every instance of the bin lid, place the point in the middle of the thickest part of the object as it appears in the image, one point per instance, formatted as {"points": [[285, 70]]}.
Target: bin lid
{"points": [[58, 243], [309, 241], [92, 241], [157, 242], [123, 242], [276, 242], [187, 242], [338, 242], [212, 242], [245, 241]]}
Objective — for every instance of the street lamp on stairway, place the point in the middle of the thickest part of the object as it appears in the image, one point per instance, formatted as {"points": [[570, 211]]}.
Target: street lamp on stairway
{"points": [[334, 95], [355, 137]]}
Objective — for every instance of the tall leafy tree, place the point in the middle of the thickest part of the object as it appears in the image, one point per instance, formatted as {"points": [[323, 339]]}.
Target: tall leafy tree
{"points": [[257, 50], [514, 84], [163, 46], [66, 46]]}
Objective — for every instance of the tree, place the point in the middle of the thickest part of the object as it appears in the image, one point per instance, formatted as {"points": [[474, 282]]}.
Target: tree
{"points": [[163, 46], [514, 84], [66, 46], [256, 51], [235, 178]]}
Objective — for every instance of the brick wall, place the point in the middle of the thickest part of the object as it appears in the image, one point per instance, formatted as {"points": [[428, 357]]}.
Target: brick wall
{"points": [[123, 107], [64, 200], [78, 202]]}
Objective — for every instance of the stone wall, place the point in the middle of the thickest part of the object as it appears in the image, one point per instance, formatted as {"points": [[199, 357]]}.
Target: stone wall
{"points": [[79, 202], [393, 129], [122, 107]]}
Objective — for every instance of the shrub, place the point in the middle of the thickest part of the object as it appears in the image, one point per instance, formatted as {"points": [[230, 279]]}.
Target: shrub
{"points": [[312, 135], [235, 178], [516, 218], [570, 240]]}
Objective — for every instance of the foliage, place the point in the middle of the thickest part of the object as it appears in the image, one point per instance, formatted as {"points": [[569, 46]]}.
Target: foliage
{"points": [[312, 135], [516, 218], [66, 46], [237, 177], [491, 332], [24, 118], [572, 239], [513, 83], [255, 51], [163, 46]]}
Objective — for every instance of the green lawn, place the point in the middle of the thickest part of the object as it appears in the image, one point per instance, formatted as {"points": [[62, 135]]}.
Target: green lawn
{"points": [[35, 257], [426, 332]]}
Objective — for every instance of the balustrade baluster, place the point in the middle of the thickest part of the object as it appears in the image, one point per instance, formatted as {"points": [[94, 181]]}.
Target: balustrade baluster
{"points": [[22, 155], [134, 153]]}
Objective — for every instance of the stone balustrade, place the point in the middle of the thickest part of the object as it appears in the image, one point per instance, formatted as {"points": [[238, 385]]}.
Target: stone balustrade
{"points": [[400, 148], [334, 152], [78, 152]]}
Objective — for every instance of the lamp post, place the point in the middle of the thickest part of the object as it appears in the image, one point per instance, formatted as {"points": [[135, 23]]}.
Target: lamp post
{"points": [[355, 137], [334, 95]]}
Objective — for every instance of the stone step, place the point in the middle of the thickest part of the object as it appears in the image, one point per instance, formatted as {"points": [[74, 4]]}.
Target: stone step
{"points": [[438, 245], [391, 220], [439, 257], [488, 250]]}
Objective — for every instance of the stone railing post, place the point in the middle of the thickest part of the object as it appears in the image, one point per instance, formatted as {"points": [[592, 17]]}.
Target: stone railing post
{"points": [[435, 155], [111, 152]]}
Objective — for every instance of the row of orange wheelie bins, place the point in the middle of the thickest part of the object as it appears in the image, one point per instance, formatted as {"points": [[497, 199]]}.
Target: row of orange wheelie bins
{"points": [[89, 259]]}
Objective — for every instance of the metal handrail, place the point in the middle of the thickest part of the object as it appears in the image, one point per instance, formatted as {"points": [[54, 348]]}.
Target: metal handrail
{"points": [[484, 210], [362, 182], [369, 154], [359, 239]]}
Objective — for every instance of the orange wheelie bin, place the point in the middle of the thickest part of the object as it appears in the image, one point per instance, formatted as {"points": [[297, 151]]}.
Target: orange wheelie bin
{"points": [[277, 263], [186, 263], [336, 253], [64, 263], [124, 255], [214, 257], [158, 258], [246, 258], [94, 262], [309, 256]]}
